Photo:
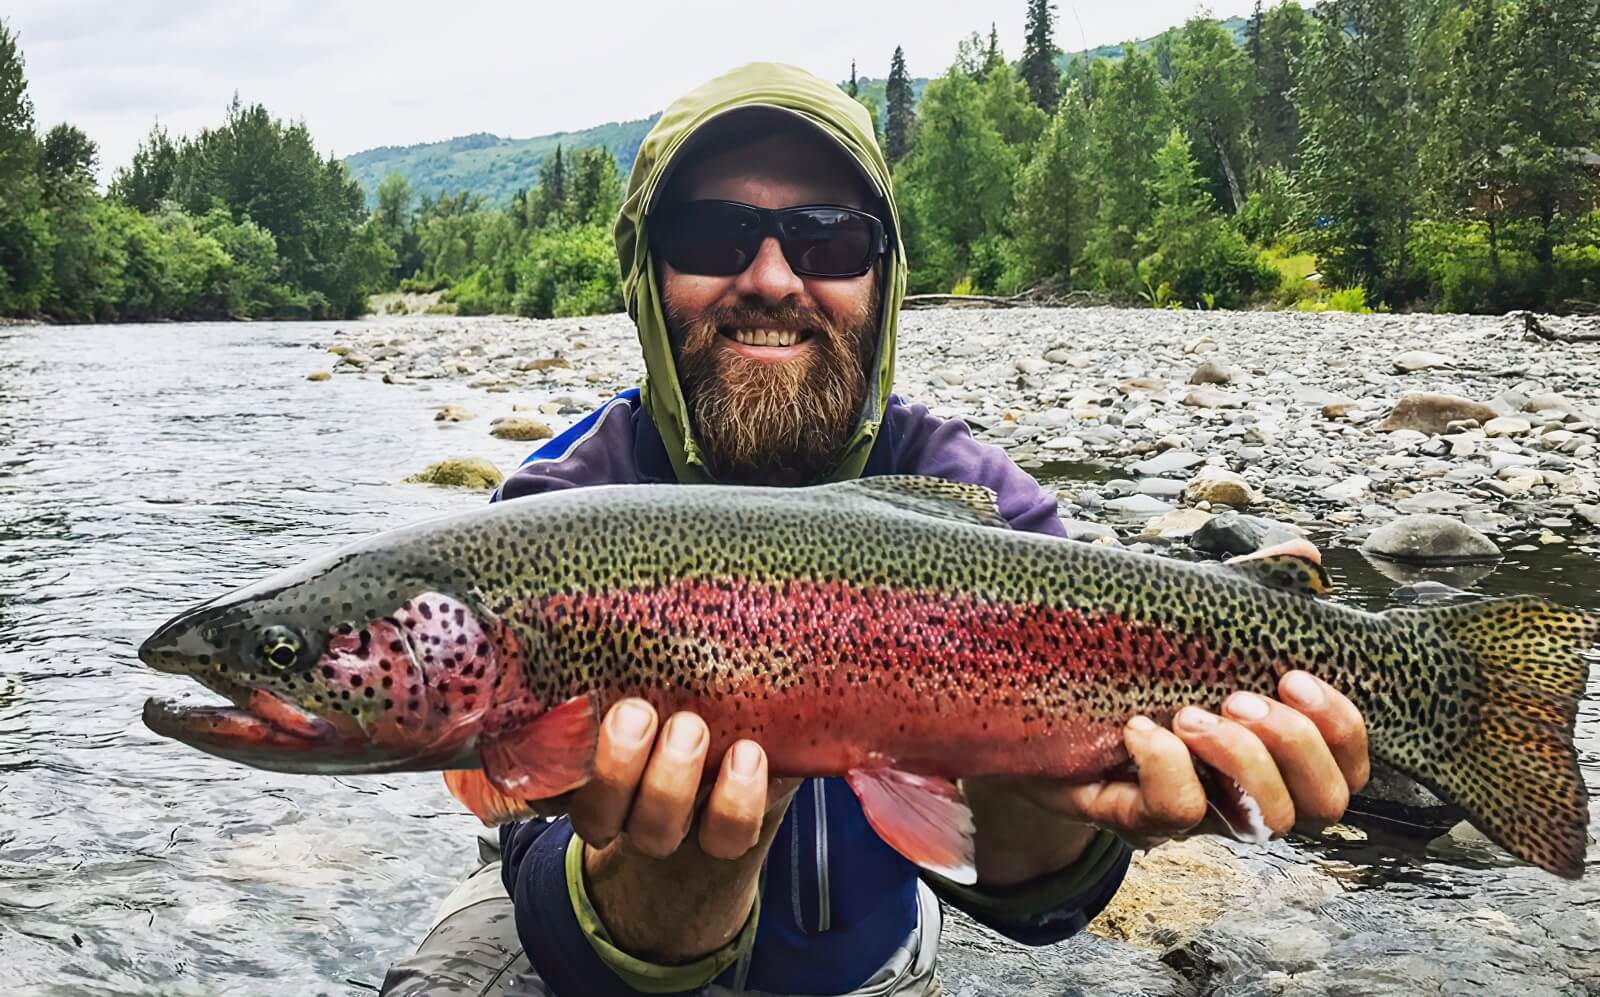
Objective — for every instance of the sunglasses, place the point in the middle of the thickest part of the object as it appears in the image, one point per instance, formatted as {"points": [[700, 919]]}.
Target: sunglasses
{"points": [[720, 238]]}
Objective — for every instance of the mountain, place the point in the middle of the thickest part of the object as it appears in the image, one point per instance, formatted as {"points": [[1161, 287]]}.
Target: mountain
{"points": [[496, 168]]}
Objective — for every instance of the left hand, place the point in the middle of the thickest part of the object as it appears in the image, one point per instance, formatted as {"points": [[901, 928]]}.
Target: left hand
{"points": [[1300, 757]]}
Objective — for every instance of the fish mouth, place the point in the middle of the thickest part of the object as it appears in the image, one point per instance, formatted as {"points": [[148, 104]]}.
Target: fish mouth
{"points": [[270, 733]]}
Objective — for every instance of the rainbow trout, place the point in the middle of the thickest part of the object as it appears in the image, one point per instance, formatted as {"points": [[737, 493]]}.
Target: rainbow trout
{"points": [[891, 630]]}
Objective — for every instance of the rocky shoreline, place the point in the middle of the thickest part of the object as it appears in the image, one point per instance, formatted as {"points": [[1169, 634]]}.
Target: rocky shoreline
{"points": [[1151, 422]]}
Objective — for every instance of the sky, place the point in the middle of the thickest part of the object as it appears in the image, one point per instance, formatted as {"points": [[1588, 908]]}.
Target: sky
{"points": [[363, 73]]}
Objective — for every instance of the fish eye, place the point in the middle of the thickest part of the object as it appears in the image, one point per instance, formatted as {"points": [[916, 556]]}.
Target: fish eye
{"points": [[280, 647]]}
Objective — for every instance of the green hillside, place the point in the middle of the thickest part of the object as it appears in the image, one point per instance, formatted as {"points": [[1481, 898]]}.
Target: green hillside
{"points": [[496, 168]]}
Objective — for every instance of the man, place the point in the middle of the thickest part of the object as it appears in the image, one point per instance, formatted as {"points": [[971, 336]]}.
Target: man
{"points": [[764, 269]]}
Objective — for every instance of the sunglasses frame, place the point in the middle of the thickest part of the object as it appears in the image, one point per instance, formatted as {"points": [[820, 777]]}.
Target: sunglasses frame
{"points": [[771, 225]]}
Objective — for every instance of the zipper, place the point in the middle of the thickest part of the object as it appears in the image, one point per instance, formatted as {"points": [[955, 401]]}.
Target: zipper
{"points": [[824, 904]]}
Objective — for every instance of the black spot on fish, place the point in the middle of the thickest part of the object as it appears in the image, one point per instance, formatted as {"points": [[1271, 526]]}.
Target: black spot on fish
{"points": [[366, 643], [397, 646], [425, 610]]}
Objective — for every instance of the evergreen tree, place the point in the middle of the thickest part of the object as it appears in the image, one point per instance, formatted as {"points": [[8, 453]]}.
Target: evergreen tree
{"points": [[1054, 199], [1274, 129], [1006, 104], [1358, 157], [67, 159], [552, 198], [1039, 55], [853, 89], [1210, 78], [993, 58], [396, 222], [595, 189], [900, 117], [1129, 121]]}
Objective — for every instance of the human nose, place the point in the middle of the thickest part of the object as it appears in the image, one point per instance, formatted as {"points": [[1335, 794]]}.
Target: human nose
{"points": [[769, 278]]}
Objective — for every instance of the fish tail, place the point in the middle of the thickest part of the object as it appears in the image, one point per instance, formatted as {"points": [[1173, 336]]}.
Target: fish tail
{"points": [[1490, 726]]}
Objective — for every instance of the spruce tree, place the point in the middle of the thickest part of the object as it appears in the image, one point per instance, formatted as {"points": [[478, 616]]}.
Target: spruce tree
{"points": [[1039, 56], [992, 56], [24, 264], [897, 129], [853, 89]]}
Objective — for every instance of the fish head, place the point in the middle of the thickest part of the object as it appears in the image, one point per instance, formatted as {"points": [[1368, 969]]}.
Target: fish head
{"points": [[341, 667]]}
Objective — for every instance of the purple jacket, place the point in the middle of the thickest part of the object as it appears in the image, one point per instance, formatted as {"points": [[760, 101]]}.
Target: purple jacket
{"points": [[836, 900]]}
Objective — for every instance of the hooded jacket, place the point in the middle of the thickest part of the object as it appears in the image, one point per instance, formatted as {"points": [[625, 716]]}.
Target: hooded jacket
{"points": [[837, 118], [839, 911]]}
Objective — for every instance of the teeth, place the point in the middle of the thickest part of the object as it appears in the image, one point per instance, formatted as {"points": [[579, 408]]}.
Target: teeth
{"points": [[766, 337]]}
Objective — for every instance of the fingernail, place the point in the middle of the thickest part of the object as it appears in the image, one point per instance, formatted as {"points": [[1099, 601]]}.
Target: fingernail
{"points": [[1302, 688], [1194, 718], [746, 759], [1142, 723], [684, 734], [1246, 706], [629, 723]]}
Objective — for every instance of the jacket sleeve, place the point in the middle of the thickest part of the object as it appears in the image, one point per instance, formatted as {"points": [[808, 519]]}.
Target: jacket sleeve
{"points": [[1058, 905]]}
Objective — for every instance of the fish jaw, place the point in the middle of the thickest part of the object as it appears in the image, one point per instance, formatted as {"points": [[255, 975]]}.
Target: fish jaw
{"points": [[410, 690]]}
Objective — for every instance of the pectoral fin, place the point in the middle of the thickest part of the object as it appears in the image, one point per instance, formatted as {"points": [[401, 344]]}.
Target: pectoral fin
{"points": [[921, 817], [549, 755]]}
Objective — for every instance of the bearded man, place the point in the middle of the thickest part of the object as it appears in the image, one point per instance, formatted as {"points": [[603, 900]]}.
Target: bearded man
{"points": [[764, 270]]}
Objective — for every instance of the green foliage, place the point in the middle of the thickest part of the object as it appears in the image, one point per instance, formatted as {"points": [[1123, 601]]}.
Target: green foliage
{"points": [[149, 178], [899, 117], [1129, 120], [570, 272], [1349, 299], [24, 232], [1271, 210], [1210, 77], [1039, 53], [1054, 202], [1274, 47]]}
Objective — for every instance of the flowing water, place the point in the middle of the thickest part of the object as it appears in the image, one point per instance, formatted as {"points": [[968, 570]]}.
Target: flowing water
{"points": [[143, 469]]}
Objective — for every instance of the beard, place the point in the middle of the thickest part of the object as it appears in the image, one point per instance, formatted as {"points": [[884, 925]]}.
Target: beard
{"points": [[785, 423]]}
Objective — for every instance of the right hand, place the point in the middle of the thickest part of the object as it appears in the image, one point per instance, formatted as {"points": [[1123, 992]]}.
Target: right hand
{"points": [[646, 787]]}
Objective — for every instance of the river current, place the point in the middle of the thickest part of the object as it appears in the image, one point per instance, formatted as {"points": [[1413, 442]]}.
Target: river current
{"points": [[143, 469]]}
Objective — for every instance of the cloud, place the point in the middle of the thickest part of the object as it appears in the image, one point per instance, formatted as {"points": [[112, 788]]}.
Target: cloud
{"points": [[362, 73]]}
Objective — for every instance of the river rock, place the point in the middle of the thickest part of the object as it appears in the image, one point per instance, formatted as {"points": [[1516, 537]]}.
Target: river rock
{"points": [[1177, 524], [1426, 412], [1500, 460], [453, 413], [1351, 489], [1161, 488], [319, 375], [1230, 534], [1507, 425], [459, 472], [1430, 539], [1415, 360], [1138, 505], [1211, 372], [1167, 463], [1216, 485], [1205, 397], [1425, 502], [1588, 513], [520, 428]]}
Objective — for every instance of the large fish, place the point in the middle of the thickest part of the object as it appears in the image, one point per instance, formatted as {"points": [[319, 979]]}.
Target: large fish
{"points": [[892, 630]]}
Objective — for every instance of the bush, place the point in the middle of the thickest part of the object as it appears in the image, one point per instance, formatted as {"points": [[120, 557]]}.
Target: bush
{"points": [[1210, 261], [1348, 299], [569, 272], [1268, 213]]}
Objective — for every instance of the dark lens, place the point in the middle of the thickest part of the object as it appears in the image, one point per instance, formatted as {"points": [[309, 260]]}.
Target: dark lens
{"points": [[828, 242], [708, 237]]}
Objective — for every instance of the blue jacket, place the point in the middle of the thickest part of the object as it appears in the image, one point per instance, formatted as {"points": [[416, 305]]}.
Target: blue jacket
{"points": [[836, 901]]}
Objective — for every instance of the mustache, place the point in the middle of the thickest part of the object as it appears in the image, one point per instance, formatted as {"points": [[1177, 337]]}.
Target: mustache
{"points": [[784, 318]]}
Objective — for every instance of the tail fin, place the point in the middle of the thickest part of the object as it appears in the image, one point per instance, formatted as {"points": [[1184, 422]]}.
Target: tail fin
{"points": [[1492, 731]]}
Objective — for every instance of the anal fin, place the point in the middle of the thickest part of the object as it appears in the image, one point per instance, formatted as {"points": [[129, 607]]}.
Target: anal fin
{"points": [[547, 756], [921, 817], [487, 803]]}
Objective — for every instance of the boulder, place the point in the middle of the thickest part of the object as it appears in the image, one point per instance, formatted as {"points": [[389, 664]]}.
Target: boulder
{"points": [[1430, 539], [520, 428], [1426, 412], [459, 472]]}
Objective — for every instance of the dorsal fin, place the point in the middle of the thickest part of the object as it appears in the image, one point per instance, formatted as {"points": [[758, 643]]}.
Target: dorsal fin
{"points": [[1295, 567], [936, 497]]}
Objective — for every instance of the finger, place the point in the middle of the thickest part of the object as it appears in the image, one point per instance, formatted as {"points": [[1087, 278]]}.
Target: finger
{"points": [[1343, 729], [600, 807], [731, 820], [1234, 751], [664, 805], [1170, 798], [1315, 784]]}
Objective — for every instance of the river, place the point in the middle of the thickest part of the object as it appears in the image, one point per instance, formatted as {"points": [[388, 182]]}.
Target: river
{"points": [[143, 469]]}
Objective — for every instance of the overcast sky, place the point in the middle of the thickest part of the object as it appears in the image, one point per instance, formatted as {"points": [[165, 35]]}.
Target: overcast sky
{"points": [[363, 73]]}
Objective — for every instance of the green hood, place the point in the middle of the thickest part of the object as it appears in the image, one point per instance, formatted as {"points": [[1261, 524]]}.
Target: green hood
{"points": [[836, 115]]}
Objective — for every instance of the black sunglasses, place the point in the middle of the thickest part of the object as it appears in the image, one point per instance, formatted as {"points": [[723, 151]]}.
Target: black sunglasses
{"points": [[720, 238]]}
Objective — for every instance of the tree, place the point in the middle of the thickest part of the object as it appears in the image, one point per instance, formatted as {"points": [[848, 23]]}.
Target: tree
{"points": [[853, 89], [957, 179], [551, 201], [1129, 121], [1039, 55], [1054, 201], [67, 159], [1210, 78], [1359, 174], [396, 222], [1006, 104], [993, 58], [24, 236], [145, 182], [595, 190], [1276, 43], [900, 116]]}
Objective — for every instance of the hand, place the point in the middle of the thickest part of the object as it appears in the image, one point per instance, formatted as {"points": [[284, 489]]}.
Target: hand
{"points": [[1300, 759], [648, 788], [662, 894]]}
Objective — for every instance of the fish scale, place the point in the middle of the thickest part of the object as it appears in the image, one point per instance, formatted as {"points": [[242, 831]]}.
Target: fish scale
{"points": [[890, 629]]}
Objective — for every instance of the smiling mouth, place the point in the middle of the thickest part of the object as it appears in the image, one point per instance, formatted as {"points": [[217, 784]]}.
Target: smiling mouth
{"points": [[766, 338]]}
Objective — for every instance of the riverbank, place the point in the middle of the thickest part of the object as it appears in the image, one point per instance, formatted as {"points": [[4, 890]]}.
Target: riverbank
{"points": [[1149, 422]]}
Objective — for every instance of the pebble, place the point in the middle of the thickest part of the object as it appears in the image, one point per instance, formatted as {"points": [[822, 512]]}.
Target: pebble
{"points": [[1204, 397], [1507, 425], [1168, 462], [1138, 505], [520, 428], [319, 375], [1211, 372], [1177, 524], [1415, 360], [1349, 490], [453, 413]]}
